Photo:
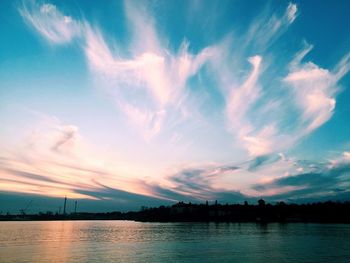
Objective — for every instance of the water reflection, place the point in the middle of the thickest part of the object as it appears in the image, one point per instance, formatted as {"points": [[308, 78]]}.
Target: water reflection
{"points": [[125, 241]]}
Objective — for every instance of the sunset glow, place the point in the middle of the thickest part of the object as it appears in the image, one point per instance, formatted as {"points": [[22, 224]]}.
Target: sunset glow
{"points": [[132, 103]]}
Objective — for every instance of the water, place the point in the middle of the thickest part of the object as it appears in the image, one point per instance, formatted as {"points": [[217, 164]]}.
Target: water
{"points": [[126, 241]]}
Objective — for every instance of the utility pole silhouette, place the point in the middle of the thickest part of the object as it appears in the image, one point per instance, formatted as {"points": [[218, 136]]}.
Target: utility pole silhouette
{"points": [[65, 203], [24, 210]]}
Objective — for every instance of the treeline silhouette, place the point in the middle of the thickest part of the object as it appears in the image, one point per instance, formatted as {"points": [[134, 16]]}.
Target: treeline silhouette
{"points": [[322, 212]]}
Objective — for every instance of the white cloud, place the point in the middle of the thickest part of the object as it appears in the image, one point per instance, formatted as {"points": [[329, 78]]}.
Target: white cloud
{"points": [[203, 181], [268, 28], [52, 138], [239, 102], [54, 159], [50, 22], [242, 98], [314, 90], [158, 74], [261, 143], [68, 135], [148, 122], [343, 67], [344, 158], [142, 26], [149, 86], [347, 155], [164, 75], [246, 102], [291, 12]]}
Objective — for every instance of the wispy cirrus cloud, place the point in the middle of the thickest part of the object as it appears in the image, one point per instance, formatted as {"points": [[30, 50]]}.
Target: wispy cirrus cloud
{"points": [[67, 138], [196, 184], [239, 102], [315, 89], [158, 75], [245, 93], [308, 89], [40, 170], [279, 177], [150, 83], [50, 22], [269, 27], [319, 179], [147, 84], [56, 160], [270, 100]]}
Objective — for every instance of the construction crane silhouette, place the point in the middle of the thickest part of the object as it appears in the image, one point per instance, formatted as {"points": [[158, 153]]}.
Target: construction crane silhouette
{"points": [[65, 204], [24, 210]]}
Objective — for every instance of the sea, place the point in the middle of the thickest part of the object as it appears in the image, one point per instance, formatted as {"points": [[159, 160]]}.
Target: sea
{"points": [[129, 241]]}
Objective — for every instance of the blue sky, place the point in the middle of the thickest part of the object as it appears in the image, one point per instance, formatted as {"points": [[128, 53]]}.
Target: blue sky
{"points": [[127, 103]]}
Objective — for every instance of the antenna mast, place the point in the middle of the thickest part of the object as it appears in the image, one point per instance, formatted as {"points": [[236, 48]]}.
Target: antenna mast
{"points": [[65, 203]]}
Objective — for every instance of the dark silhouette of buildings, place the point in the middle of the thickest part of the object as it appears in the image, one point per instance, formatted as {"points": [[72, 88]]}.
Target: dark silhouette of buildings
{"points": [[326, 212]]}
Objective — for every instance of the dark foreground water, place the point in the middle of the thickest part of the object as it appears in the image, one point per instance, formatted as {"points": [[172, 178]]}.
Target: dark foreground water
{"points": [[126, 241]]}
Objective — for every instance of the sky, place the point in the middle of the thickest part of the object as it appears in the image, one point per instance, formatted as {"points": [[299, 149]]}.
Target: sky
{"points": [[123, 104]]}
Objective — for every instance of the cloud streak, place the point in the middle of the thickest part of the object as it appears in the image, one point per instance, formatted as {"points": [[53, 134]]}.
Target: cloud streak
{"points": [[239, 91], [158, 75], [314, 89], [50, 22], [269, 27], [328, 181]]}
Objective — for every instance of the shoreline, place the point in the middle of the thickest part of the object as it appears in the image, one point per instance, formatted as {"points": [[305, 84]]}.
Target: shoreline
{"points": [[327, 212]]}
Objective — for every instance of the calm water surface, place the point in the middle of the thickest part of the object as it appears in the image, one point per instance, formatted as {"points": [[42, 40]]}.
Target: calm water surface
{"points": [[126, 241]]}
